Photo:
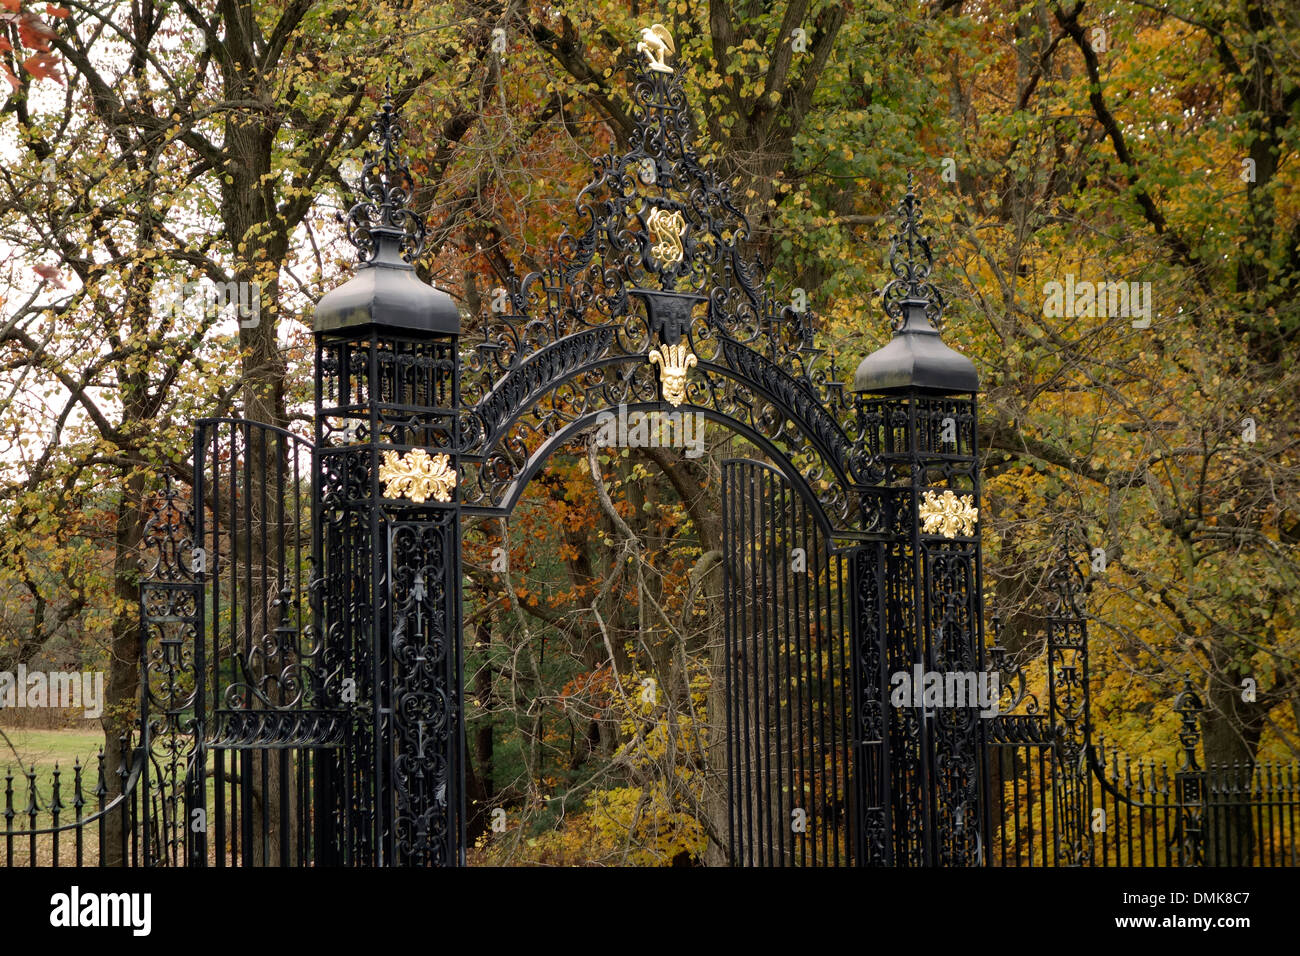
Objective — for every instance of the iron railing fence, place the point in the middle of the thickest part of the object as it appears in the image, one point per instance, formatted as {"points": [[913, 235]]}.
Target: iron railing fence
{"points": [[80, 821]]}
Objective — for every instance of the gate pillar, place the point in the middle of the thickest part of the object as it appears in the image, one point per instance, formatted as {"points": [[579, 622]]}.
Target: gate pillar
{"points": [[387, 534], [916, 397]]}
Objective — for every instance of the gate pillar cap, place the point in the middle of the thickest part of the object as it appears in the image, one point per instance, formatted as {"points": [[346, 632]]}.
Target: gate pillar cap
{"points": [[916, 359], [387, 295]]}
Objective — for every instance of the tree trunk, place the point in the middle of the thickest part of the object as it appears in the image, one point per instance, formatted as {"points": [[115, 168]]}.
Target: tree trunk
{"points": [[1231, 729], [121, 695]]}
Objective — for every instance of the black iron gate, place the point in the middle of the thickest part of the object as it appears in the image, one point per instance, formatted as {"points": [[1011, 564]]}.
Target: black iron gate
{"points": [[237, 723], [286, 724], [788, 675]]}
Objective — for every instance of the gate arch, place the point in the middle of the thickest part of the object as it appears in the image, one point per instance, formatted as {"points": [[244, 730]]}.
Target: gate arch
{"points": [[656, 279], [799, 427], [537, 461]]}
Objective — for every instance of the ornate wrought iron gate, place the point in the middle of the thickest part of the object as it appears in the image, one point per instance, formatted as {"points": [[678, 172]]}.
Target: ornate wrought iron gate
{"points": [[788, 676], [335, 723], [287, 722], [237, 716]]}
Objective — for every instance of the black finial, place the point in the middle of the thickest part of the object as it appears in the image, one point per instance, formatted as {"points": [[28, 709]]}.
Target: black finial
{"points": [[386, 189], [911, 272], [916, 357], [1188, 707]]}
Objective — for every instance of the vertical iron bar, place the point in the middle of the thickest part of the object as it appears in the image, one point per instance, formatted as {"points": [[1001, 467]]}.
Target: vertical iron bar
{"points": [[197, 841], [835, 562], [817, 696], [798, 634], [33, 808], [729, 575], [764, 634], [780, 637], [378, 608], [55, 806], [808, 745], [219, 808], [749, 696], [78, 802]]}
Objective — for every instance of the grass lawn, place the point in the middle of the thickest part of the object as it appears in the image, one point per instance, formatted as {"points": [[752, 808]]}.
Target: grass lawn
{"points": [[43, 749]]}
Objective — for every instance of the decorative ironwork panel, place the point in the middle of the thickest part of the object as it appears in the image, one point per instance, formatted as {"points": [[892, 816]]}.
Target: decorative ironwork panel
{"points": [[656, 262], [1067, 675], [395, 391], [874, 843], [254, 531], [265, 709], [952, 639], [926, 448], [425, 688], [171, 615]]}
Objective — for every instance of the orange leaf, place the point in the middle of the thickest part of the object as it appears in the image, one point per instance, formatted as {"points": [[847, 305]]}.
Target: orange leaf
{"points": [[9, 75], [11, 5], [5, 45], [43, 66], [35, 33], [53, 11]]}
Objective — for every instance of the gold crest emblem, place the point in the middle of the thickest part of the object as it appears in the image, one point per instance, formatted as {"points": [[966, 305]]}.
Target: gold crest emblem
{"points": [[667, 229]]}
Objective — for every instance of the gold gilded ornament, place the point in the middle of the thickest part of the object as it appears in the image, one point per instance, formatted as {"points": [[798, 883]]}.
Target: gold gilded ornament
{"points": [[667, 229], [948, 515], [417, 475], [657, 45], [673, 361]]}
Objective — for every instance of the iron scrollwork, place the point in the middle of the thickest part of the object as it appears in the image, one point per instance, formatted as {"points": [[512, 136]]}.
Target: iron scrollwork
{"points": [[912, 263], [171, 596], [1067, 677], [659, 234], [424, 665], [387, 186]]}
